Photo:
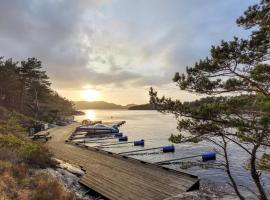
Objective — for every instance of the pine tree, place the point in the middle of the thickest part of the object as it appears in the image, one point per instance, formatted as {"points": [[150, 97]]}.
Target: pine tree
{"points": [[240, 70]]}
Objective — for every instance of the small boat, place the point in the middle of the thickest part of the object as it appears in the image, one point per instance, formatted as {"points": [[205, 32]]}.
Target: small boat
{"points": [[98, 128], [87, 122]]}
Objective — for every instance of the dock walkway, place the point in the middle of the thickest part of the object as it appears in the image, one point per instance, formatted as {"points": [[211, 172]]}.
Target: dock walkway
{"points": [[119, 177]]}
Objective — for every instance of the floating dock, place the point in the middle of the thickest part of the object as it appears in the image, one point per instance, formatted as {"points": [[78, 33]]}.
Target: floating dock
{"points": [[119, 177]]}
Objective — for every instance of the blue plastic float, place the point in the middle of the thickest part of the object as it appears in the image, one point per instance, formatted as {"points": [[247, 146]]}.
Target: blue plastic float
{"points": [[139, 143], [169, 148], [115, 131], [209, 155], [206, 156], [123, 139], [118, 135]]}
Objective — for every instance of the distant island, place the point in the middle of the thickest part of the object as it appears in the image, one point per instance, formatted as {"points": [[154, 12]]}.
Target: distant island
{"points": [[142, 107], [107, 105]]}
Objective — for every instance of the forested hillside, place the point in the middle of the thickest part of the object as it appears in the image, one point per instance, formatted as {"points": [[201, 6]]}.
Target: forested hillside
{"points": [[25, 87], [25, 97]]}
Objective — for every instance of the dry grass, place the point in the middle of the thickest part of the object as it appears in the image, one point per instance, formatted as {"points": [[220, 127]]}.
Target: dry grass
{"points": [[21, 161], [18, 182]]}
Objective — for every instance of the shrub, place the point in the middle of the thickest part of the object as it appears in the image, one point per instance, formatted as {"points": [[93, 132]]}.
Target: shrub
{"points": [[45, 187], [21, 149], [18, 182], [37, 156], [14, 122], [12, 126]]}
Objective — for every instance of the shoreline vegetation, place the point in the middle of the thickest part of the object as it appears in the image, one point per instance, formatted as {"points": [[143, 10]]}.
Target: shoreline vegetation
{"points": [[27, 168], [22, 163]]}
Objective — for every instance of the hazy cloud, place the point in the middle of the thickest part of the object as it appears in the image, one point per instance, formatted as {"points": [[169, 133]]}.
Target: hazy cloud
{"points": [[119, 43]]}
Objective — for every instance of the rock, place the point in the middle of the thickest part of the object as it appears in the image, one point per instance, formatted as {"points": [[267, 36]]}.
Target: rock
{"points": [[69, 167], [70, 183], [198, 195]]}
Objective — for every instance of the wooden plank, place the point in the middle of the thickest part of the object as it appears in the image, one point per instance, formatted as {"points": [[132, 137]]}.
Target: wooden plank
{"points": [[148, 176], [118, 177]]}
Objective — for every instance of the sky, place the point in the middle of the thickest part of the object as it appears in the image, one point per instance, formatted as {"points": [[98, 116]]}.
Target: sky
{"points": [[115, 50]]}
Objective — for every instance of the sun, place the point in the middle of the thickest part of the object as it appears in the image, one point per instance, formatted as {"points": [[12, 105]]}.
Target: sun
{"points": [[89, 95]]}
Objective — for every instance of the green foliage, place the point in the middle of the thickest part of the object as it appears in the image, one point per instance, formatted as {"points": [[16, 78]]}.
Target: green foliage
{"points": [[176, 138], [240, 69], [11, 126], [32, 154], [262, 163], [237, 65], [16, 148], [266, 156], [181, 138], [25, 87], [12, 122], [240, 65]]}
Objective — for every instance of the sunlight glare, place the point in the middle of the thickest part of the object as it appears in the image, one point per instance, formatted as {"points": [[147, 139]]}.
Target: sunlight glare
{"points": [[89, 94], [90, 114]]}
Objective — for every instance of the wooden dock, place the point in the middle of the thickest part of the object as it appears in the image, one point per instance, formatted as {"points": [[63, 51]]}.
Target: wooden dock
{"points": [[119, 177]]}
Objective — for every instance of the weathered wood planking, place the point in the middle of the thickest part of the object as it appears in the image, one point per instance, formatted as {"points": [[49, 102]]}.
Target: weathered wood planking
{"points": [[119, 177]]}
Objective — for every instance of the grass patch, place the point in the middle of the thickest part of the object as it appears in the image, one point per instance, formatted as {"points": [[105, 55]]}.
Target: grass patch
{"points": [[21, 160], [18, 149], [14, 122], [18, 182]]}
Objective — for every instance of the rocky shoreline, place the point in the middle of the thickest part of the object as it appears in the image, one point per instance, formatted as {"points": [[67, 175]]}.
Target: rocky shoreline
{"points": [[69, 177]]}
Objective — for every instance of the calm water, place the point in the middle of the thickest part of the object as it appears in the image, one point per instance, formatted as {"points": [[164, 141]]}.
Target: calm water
{"points": [[155, 128]]}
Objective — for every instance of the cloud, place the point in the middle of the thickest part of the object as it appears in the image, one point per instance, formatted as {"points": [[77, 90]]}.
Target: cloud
{"points": [[115, 43]]}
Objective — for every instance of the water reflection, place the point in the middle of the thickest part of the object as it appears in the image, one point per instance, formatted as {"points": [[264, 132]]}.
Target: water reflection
{"points": [[90, 114], [156, 128]]}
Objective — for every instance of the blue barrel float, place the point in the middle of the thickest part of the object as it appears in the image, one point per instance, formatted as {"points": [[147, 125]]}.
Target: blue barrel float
{"points": [[209, 155], [139, 143], [123, 139], [115, 131], [118, 135], [169, 148], [206, 156]]}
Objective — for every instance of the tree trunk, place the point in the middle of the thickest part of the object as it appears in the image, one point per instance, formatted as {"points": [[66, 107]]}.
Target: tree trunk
{"points": [[36, 104], [21, 100], [228, 170], [255, 174]]}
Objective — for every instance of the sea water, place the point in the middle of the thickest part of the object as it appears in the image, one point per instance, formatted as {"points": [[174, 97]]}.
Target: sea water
{"points": [[155, 128]]}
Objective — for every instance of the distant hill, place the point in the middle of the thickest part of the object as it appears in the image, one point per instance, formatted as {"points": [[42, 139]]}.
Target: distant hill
{"points": [[143, 107], [100, 105], [97, 105], [106, 105], [129, 105]]}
